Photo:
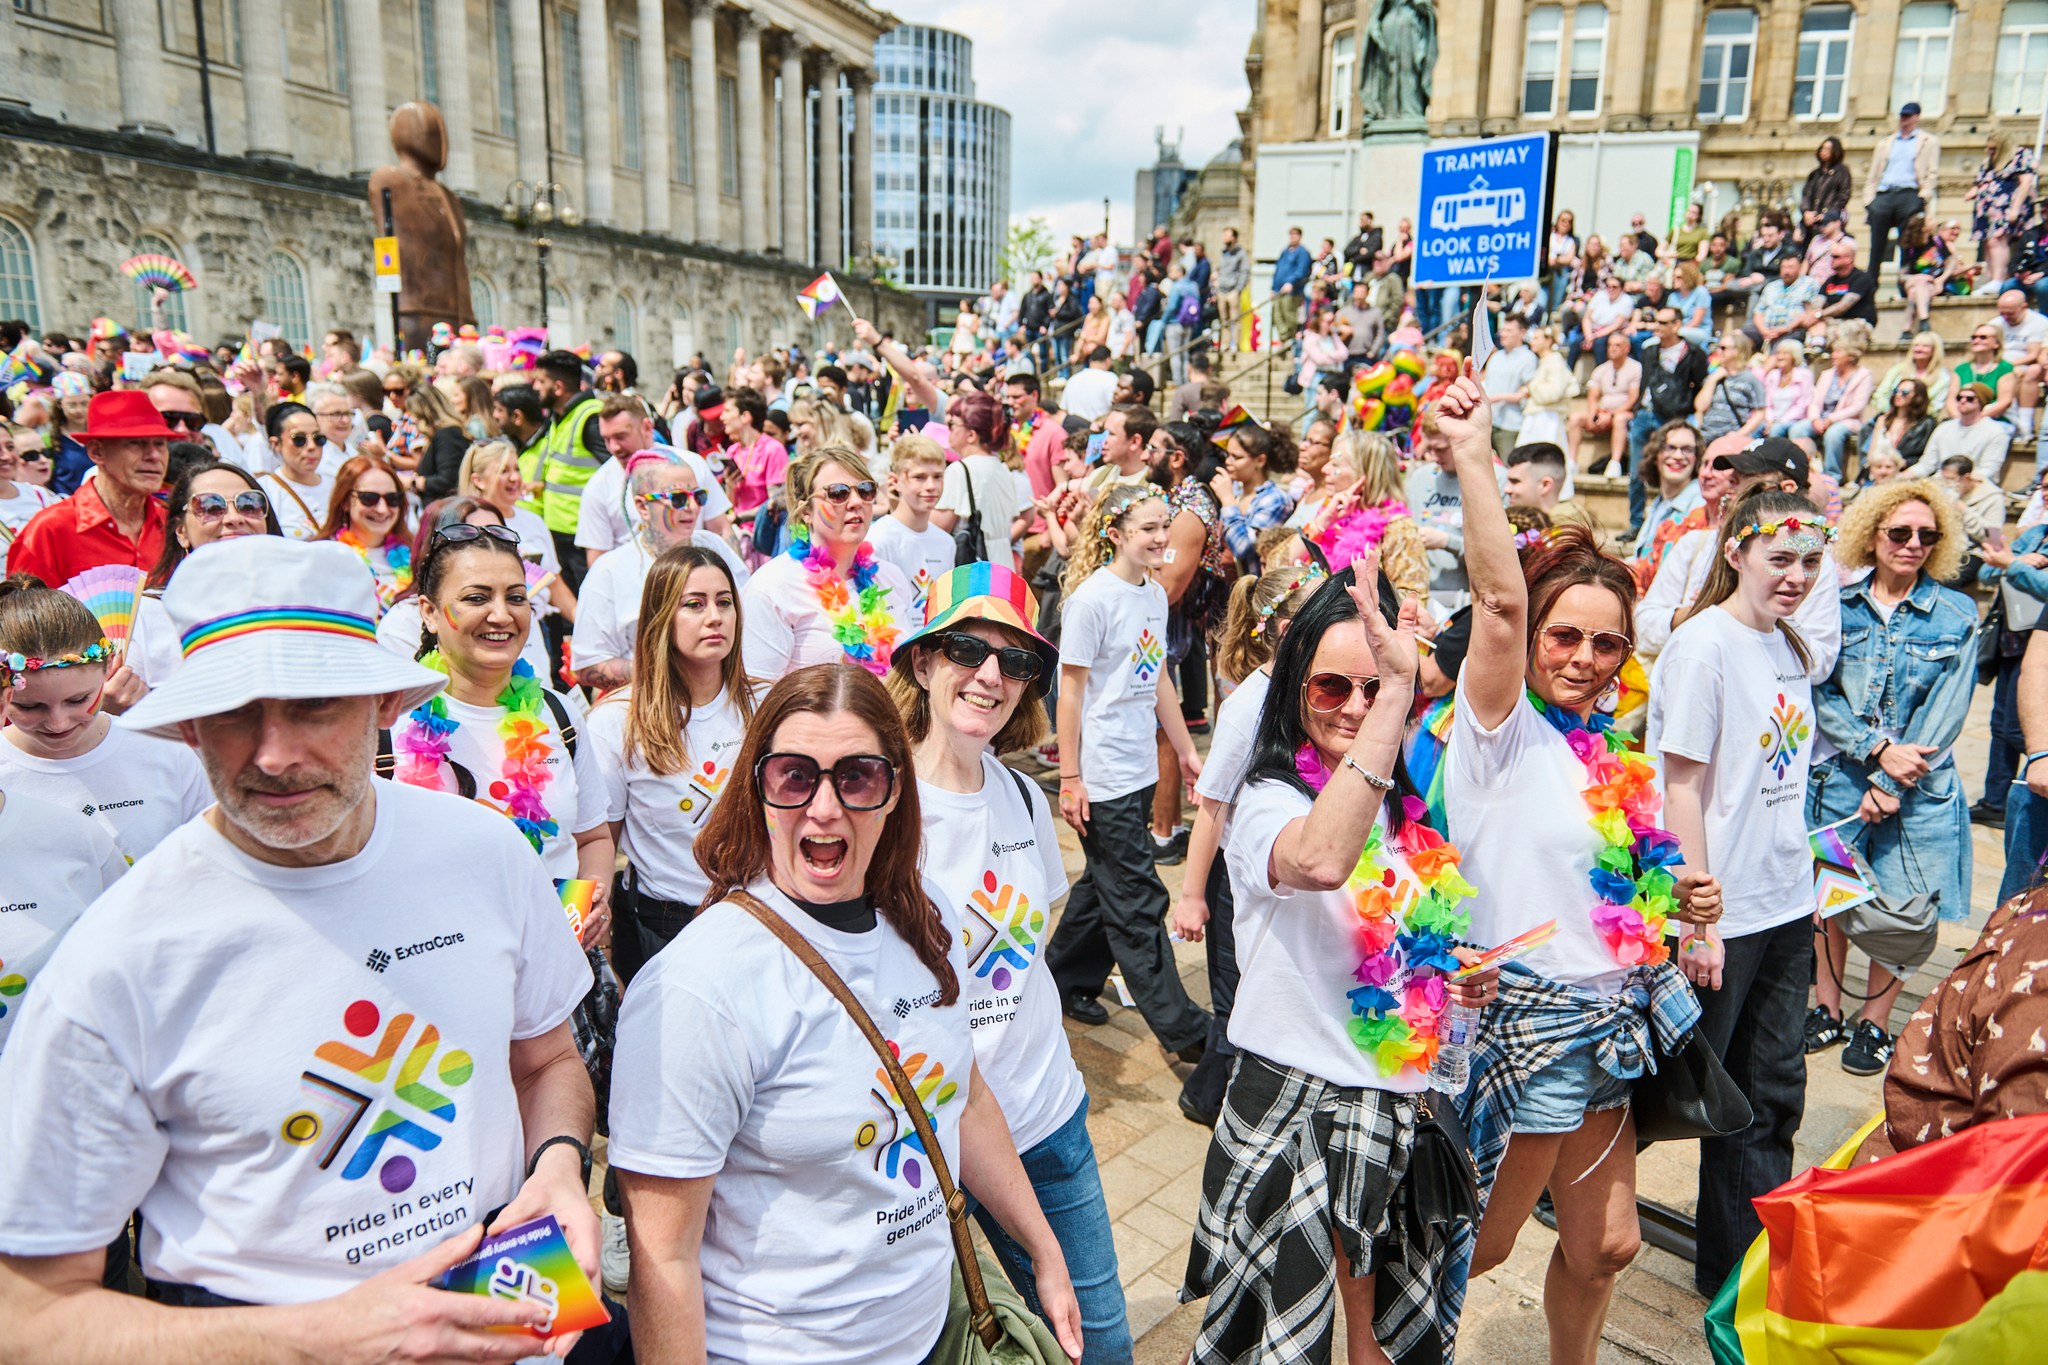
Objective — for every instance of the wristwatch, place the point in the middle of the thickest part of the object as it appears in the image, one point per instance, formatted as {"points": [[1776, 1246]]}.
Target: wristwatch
{"points": [[560, 1139]]}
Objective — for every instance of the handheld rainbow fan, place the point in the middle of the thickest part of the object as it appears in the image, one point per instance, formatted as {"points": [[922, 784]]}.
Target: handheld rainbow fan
{"points": [[154, 270], [110, 592]]}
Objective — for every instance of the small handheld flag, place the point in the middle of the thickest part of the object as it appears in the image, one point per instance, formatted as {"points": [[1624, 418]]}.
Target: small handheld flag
{"points": [[819, 295], [154, 270], [1838, 884], [1233, 422], [1482, 334]]}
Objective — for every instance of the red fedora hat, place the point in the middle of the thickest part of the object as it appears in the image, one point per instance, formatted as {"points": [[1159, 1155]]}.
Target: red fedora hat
{"points": [[124, 414]]}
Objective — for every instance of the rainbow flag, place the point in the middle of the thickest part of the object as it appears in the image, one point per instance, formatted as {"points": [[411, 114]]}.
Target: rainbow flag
{"points": [[1233, 421], [820, 294], [1937, 1253]]}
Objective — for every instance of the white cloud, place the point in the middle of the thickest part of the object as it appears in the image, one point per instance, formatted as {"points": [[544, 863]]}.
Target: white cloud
{"points": [[1085, 89]]}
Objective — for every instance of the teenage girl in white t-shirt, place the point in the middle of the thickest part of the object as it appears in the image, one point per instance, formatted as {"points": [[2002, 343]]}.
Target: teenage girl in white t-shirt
{"points": [[1731, 714], [1260, 609], [1549, 636], [63, 748], [1114, 698], [666, 743]]}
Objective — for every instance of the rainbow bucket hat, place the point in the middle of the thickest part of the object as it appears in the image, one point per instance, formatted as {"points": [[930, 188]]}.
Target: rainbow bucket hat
{"points": [[980, 592]]}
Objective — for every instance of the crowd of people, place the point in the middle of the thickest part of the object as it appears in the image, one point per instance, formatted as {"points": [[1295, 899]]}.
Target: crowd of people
{"points": [[291, 1012]]}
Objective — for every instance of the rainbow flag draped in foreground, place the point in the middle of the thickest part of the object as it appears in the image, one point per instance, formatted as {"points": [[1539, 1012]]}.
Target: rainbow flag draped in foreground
{"points": [[1937, 1254]]}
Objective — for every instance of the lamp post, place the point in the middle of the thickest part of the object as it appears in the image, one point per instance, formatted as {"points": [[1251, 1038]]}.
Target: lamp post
{"points": [[535, 207]]}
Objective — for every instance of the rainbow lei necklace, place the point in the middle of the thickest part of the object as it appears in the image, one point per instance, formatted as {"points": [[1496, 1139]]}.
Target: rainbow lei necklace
{"points": [[860, 619], [397, 558], [1407, 926], [1631, 875], [422, 746]]}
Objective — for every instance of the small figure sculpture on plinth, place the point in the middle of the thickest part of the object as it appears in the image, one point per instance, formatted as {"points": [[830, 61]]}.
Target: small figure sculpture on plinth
{"points": [[1396, 66]]}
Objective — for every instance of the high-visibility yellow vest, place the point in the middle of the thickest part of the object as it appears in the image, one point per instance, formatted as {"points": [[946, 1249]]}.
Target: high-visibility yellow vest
{"points": [[530, 461], [567, 464]]}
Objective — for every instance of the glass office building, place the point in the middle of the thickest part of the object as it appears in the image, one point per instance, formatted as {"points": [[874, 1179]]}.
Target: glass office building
{"points": [[942, 166]]}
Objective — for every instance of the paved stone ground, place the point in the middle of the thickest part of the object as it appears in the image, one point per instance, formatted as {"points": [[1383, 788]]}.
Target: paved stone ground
{"points": [[1151, 1159]]}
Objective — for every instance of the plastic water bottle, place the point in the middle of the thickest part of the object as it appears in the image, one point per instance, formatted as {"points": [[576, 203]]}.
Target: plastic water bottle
{"points": [[1452, 1071]]}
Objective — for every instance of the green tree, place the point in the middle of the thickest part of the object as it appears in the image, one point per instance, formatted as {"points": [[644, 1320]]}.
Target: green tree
{"points": [[1028, 247]]}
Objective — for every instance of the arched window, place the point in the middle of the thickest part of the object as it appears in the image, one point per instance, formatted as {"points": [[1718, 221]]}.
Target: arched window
{"points": [[18, 277], [558, 322], [625, 335], [285, 300], [483, 301], [174, 307]]}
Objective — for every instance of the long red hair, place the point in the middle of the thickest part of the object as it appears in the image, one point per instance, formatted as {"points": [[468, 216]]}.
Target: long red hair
{"points": [[345, 481], [734, 849]]}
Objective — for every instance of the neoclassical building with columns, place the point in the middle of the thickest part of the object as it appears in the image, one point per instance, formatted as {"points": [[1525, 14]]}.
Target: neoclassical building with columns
{"points": [[716, 155]]}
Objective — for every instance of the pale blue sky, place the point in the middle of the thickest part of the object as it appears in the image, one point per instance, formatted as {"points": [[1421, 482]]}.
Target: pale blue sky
{"points": [[1087, 81]]}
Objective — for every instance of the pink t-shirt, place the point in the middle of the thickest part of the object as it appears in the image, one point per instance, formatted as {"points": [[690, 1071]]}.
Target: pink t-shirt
{"points": [[762, 466]]}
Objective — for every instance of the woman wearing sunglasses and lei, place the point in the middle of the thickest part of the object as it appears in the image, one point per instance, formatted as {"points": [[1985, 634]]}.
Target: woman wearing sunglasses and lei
{"points": [[368, 514], [1348, 913], [970, 684], [1558, 821], [665, 506], [826, 599], [1735, 673]]}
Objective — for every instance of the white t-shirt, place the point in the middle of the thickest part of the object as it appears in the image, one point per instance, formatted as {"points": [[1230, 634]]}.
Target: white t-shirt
{"points": [[662, 815], [573, 793], [1298, 952], [785, 627], [56, 863], [826, 1239], [154, 649], [298, 522], [921, 555], [229, 1069], [602, 520], [1089, 393], [1230, 743], [28, 499], [135, 787], [1739, 700], [535, 539], [1117, 631], [608, 608], [995, 497], [398, 630], [996, 857], [2031, 327], [1515, 797], [1683, 572]]}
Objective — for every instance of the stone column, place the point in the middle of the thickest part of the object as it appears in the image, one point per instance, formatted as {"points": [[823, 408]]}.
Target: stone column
{"points": [[863, 233], [752, 136], [1504, 75], [529, 115], [704, 117], [452, 48], [12, 89], [1671, 92], [1458, 96], [655, 170], [1871, 56], [829, 217], [1628, 52], [1776, 63], [796, 242], [369, 117], [268, 134], [139, 66], [594, 32]]}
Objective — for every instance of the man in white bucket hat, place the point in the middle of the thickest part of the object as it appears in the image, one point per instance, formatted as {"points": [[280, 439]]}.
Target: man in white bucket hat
{"points": [[318, 1036]]}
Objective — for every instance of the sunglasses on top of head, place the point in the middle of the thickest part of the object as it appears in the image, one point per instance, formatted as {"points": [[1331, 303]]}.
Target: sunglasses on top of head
{"points": [[790, 781], [463, 532], [841, 493], [971, 651]]}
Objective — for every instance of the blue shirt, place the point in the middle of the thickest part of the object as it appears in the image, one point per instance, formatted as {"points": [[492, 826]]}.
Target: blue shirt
{"points": [[68, 466], [1270, 507], [1292, 268], [1898, 166]]}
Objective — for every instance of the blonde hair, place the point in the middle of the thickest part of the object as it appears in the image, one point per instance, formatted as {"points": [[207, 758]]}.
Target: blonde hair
{"points": [[1856, 536], [803, 472], [1376, 459], [835, 428], [913, 449], [1027, 727], [1739, 344], [1111, 510], [1688, 276], [479, 459], [1258, 604]]}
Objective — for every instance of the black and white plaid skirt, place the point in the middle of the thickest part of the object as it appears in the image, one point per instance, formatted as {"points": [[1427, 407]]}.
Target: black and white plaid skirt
{"points": [[1295, 1159]]}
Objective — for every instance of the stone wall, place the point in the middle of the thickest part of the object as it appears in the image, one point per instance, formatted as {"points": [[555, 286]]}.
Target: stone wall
{"points": [[84, 197]]}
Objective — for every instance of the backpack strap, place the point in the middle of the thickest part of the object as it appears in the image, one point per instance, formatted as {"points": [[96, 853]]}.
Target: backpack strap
{"points": [[386, 767], [564, 726]]}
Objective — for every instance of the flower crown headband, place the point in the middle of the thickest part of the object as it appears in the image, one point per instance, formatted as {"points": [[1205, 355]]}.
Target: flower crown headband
{"points": [[15, 668], [1310, 573], [1112, 511], [1795, 524], [1535, 535]]}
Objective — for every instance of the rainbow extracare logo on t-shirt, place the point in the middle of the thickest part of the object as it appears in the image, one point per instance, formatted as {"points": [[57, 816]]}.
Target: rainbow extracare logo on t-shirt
{"points": [[892, 1137], [1147, 655], [1788, 729], [1001, 933]]}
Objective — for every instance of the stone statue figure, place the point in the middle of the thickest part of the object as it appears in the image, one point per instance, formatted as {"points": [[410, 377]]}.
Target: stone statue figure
{"points": [[433, 236], [1397, 62]]}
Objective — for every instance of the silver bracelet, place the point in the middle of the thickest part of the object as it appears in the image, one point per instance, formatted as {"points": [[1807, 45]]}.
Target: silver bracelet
{"points": [[1385, 784]]}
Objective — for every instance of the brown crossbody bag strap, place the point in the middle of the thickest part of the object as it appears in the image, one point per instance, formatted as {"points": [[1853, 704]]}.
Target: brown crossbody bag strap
{"points": [[980, 1314]]}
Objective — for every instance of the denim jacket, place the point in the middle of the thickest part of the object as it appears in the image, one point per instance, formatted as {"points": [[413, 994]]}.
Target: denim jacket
{"points": [[2025, 578], [1908, 678]]}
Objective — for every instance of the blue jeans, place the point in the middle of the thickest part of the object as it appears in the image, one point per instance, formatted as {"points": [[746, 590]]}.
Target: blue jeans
{"points": [[1639, 428], [1834, 442], [1069, 1188], [1429, 305]]}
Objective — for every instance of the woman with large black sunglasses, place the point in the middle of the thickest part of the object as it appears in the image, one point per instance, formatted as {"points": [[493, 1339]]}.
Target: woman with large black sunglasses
{"points": [[778, 1199], [971, 685]]}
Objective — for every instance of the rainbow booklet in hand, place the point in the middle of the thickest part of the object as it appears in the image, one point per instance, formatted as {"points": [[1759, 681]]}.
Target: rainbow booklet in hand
{"points": [[577, 895], [531, 1261]]}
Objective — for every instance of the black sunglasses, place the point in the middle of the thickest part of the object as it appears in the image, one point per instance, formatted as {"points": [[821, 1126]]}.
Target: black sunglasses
{"points": [[971, 651], [860, 781], [678, 498], [463, 532], [841, 492], [211, 507], [391, 500], [36, 456], [301, 439], [1906, 535], [190, 421]]}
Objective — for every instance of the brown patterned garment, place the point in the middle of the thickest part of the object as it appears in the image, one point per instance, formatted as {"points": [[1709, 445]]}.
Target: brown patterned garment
{"points": [[1977, 1049]]}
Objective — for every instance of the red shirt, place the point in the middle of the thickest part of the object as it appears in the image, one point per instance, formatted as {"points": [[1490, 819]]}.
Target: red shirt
{"points": [[67, 538]]}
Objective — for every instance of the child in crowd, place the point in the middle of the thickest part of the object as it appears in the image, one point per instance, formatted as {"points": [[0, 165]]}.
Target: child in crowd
{"points": [[906, 536]]}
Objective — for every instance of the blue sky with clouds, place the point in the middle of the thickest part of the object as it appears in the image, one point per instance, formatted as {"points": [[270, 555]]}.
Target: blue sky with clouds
{"points": [[1086, 83]]}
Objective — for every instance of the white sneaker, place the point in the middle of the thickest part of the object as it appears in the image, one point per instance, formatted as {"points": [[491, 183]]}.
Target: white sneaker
{"points": [[614, 1262]]}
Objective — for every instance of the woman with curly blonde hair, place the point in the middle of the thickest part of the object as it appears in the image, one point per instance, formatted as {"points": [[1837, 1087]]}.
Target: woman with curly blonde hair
{"points": [[1892, 709]]}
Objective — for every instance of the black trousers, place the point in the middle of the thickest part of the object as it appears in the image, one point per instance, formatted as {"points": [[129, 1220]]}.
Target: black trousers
{"points": [[1116, 918], [1755, 1024], [1889, 212], [641, 925], [1205, 1085]]}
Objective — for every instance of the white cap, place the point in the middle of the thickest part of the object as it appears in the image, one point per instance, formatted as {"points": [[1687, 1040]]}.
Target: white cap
{"points": [[263, 616]]}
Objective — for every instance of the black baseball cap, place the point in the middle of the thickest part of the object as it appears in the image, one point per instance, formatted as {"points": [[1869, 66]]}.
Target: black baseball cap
{"points": [[1773, 456]]}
